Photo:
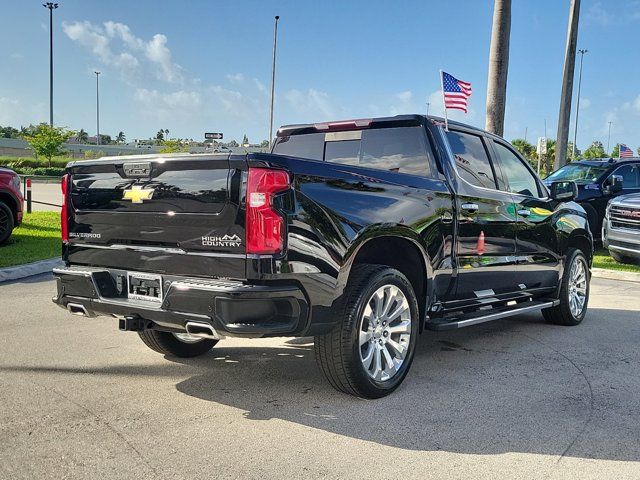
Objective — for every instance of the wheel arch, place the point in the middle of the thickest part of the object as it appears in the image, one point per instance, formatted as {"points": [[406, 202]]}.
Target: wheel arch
{"points": [[9, 200], [398, 247]]}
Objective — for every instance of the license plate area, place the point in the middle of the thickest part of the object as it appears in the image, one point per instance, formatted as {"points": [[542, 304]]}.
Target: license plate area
{"points": [[145, 287]]}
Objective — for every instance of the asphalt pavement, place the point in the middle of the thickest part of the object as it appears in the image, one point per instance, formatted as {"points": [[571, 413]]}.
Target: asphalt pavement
{"points": [[516, 398]]}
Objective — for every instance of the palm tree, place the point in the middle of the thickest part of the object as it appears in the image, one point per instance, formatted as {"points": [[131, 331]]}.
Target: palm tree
{"points": [[82, 136], [166, 133], [498, 66], [121, 138]]}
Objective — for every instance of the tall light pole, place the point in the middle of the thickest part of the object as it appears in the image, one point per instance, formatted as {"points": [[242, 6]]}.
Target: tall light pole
{"points": [[609, 137], [273, 77], [581, 51], [428, 105], [51, 6], [97, 108]]}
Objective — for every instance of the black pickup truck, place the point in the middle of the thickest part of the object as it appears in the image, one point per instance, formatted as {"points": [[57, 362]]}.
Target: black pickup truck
{"points": [[360, 233]]}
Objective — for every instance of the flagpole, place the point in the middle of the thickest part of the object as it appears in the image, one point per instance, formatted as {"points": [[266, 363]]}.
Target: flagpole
{"points": [[444, 105]]}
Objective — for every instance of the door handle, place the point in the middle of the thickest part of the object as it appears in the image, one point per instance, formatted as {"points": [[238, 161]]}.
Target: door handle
{"points": [[470, 207], [524, 212]]}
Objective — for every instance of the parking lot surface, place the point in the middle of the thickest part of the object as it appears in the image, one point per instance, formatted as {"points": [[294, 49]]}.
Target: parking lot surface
{"points": [[516, 398]]}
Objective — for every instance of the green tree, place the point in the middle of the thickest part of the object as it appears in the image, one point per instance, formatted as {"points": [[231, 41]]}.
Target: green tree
{"points": [[615, 153], [595, 150], [47, 140], [525, 148], [82, 136], [232, 143], [173, 145], [9, 132], [245, 139], [160, 136], [264, 144], [121, 138]]}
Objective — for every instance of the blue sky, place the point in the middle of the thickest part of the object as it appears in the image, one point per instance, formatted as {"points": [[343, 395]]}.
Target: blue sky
{"points": [[196, 66]]}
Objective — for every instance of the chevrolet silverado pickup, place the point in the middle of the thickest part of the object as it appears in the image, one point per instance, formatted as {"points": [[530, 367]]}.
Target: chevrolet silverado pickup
{"points": [[362, 233]]}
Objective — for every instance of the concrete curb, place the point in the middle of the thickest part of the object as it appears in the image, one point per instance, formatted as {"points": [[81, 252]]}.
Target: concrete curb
{"points": [[29, 269], [615, 275]]}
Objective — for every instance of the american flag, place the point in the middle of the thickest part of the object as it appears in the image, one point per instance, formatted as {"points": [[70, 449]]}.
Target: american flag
{"points": [[625, 152], [456, 92]]}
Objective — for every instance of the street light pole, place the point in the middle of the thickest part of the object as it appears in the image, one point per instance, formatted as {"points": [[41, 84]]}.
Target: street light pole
{"points": [[582, 51], [428, 105], [97, 108], [273, 77], [51, 6], [609, 137]]}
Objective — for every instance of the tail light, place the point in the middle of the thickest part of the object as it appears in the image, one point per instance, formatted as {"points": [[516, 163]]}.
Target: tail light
{"points": [[264, 225], [64, 211]]}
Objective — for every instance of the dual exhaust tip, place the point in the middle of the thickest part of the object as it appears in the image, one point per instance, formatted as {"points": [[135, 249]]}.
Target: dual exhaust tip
{"points": [[195, 329], [78, 309], [202, 330]]}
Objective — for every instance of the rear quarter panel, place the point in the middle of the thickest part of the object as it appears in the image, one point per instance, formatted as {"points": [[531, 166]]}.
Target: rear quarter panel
{"points": [[338, 208]]}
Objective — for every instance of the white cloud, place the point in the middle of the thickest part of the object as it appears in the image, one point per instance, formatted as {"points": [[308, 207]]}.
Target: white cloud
{"points": [[599, 15], [163, 106], [312, 105], [260, 86], [16, 56], [235, 78], [115, 45], [584, 103]]}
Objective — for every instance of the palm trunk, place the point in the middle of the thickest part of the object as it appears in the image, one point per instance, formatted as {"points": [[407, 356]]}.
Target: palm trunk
{"points": [[498, 66]]}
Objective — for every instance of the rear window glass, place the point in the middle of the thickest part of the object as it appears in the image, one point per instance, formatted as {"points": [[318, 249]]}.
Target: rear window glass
{"points": [[472, 160], [401, 149]]}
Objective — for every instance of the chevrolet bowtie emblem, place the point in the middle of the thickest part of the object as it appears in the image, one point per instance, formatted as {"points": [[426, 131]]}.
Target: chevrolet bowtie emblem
{"points": [[137, 194]]}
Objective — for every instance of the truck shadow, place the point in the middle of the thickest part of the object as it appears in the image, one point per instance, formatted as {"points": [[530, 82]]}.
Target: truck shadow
{"points": [[516, 385]]}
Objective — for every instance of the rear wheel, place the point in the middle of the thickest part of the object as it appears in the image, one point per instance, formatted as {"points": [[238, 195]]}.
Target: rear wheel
{"points": [[369, 354], [574, 291], [176, 344], [6, 222]]}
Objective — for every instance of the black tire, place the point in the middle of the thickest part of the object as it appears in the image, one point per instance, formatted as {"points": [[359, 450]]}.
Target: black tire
{"points": [[6, 222], [621, 258], [562, 314], [168, 344], [338, 353]]}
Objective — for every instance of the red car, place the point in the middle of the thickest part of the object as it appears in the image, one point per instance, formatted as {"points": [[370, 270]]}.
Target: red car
{"points": [[11, 203]]}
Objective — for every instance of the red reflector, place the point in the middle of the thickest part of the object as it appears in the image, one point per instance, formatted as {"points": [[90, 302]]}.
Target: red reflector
{"points": [[264, 225], [64, 211]]}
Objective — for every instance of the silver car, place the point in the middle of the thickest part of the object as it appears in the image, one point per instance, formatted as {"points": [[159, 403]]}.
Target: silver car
{"points": [[621, 228]]}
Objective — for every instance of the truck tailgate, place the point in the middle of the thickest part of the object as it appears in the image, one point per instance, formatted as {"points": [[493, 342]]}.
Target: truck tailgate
{"points": [[180, 214]]}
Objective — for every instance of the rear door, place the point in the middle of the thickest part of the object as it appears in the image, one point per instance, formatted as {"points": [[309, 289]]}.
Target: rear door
{"points": [[485, 244], [177, 215], [536, 238]]}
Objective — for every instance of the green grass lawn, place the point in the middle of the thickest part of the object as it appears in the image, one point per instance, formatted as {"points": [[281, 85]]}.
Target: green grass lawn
{"points": [[601, 259], [36, 239]]}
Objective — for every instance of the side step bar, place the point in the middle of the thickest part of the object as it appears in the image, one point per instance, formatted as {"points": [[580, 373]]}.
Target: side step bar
{"points": [[489, 315]]}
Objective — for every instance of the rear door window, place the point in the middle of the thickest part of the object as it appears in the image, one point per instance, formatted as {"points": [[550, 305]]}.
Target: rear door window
{"points": [[472, 161]]}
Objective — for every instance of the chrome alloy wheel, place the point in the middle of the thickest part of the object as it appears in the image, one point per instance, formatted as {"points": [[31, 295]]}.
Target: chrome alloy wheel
{"points": [[385, 333], [186, 338], [577, 287]]}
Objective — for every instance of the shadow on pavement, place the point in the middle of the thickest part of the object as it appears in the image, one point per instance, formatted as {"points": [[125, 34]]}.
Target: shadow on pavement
{"points": [[497, 388]]}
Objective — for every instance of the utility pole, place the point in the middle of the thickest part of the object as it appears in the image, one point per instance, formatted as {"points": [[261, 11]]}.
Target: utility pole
{"points": [[526, 130], [273, 77], [428, 105], [97, 108], [582, 51], [567, 85], [609, 138], [51, 6], [498, 66]]}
